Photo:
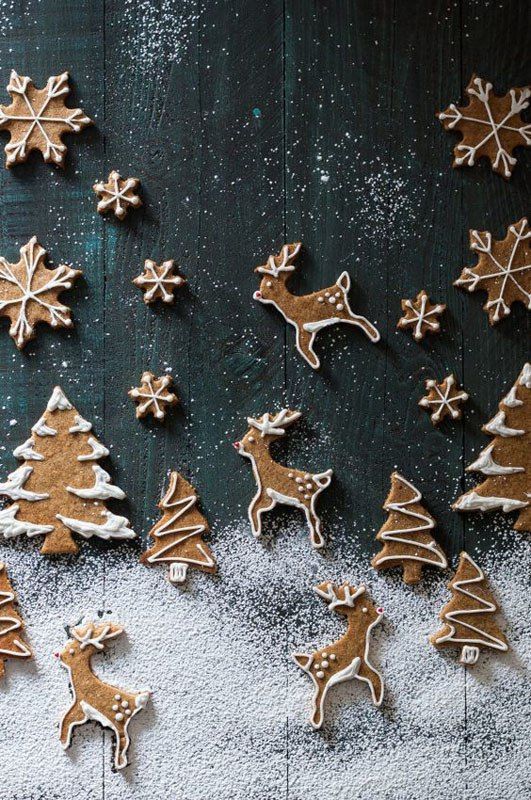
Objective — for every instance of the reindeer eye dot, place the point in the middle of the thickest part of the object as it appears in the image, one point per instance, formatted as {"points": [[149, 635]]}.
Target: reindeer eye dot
{"points": [[251, 439], [268, 283], [72, 651], [364, 610]]}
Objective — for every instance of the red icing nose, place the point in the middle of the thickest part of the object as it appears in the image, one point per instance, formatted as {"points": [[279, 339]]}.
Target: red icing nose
{"points": [[379, 610], [236, 445], [56, 655], [257, 295]]}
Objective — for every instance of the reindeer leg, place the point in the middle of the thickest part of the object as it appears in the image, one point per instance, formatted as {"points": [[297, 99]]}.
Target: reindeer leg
{"points": [[355, 319], [261, 502], [374, 679], [314, 524], [121, 748], [304, 343], [74, 716]]}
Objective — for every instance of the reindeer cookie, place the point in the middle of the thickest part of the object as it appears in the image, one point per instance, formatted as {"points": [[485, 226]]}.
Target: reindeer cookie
{"points": [[276, 483], [112, 707], [308, 313], [348, 657]]}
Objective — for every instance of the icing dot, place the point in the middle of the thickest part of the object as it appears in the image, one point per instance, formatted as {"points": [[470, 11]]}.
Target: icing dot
{"points": [[320, 674], [308, 485], [340, 306], [307, 496], [364, 610], [307, 476], [251, 438], [338, 294], [317, 665], [320, 300], [117, 697], [115, 707], [324, 664], [125, 704], [301, 488], [332, 656], [327, 294], [118, 717], [298, 480], [268, 283], [290, 474], [324, 655], [72, 651], [128, 712], [332, 299]]}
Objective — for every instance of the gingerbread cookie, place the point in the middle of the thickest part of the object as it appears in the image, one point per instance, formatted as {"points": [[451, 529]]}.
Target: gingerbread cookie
{"points": [[178, 536], [93, 699], [421, 315], [308, 313], [37, 119], [468, 616], [60, 489], [152, 396], [443, 399], [159, 282], [491, 126], [117, 195], [276, 483], [406, 535], [29, 293], [12, 644], [503, 270], [506, 462], [348, 657]]}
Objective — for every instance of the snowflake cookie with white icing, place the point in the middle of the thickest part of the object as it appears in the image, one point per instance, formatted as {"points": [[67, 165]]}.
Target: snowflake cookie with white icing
{"points": [[60, 489], [443, 399], [420, 315], [29, 293], [491, 126], [152, 396], [348, 657], [158, 282], [37, 119], [117, 195], [93, 699]]}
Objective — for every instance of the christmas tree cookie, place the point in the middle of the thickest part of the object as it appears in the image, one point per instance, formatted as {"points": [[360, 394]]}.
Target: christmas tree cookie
{"points": [[178, 536], [506, 462], [60, 488], [406, 535], [12, 644], [469, 616]]}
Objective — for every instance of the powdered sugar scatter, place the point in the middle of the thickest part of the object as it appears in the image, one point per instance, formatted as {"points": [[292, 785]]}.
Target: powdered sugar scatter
{"points": [[229, 704]]}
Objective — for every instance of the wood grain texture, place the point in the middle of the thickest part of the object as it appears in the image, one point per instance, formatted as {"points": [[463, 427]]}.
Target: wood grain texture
{"points": [[279, 121]]}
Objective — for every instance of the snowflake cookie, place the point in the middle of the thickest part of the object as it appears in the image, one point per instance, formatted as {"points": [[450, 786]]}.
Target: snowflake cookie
{"points": [[421, 315], [29, 293], [490, 125], [117, 195], [152, 396], [443, 399], [93, 699], [159, 282], [37, 119], [503, 269], [12, 644], [348, 657]]}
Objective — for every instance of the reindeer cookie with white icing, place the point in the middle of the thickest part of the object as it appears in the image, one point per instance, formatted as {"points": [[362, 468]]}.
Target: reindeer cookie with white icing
{"points": [[112, 707], [276, 483], [308, 313], [348, 657]]}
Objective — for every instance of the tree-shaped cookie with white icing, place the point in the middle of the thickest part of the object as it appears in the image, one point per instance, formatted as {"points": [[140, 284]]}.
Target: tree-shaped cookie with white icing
{"points": [[407, 533], [506, 462], [60, 488], [12, 643]]}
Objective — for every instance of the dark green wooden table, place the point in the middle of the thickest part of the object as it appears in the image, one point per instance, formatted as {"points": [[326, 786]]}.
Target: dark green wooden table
{"points": [[250, 125]]}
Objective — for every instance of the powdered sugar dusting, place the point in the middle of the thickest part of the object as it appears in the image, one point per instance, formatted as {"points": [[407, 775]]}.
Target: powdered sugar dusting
{"points": [[228, 702]]}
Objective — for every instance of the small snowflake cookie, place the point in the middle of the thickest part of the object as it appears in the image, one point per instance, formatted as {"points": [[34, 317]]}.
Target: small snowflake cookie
{"points": [[158, 282], [349, 656], [117, 195], [308, 313], [37, 119], [420, 315], [468, 617], [503, 270], [152, 396], [276, 483], [491, 126], [443, 399], [12, 643], [93, 699], [29, 293]]}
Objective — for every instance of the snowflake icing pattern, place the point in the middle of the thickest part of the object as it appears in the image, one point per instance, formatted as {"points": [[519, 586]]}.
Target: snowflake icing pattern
{"points": [[159, 282], [38, 118], [441, 399], [152, 396], [29, 292], [503, 269], [419, 315], [491, 126]]}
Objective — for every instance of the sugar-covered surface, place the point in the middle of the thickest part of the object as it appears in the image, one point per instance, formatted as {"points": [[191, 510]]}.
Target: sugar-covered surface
{"points": [[250, 124]]}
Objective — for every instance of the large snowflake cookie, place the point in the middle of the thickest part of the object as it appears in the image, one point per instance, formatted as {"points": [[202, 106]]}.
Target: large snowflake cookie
{"points": [[158, 282], [443, 399], [178, 535], [276, 483], [468, 617], [506, 462], [503, 269], [348, 657], [12, 643], [37, 119], [29, 292], [152, 396], [117, 194], [93, 699], [420, 315], [491, 126], [60, 488], [308, 313]]}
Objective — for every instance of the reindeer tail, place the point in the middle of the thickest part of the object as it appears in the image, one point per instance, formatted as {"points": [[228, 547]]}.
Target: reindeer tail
{"points": [[323, 479], [142, 699]]}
